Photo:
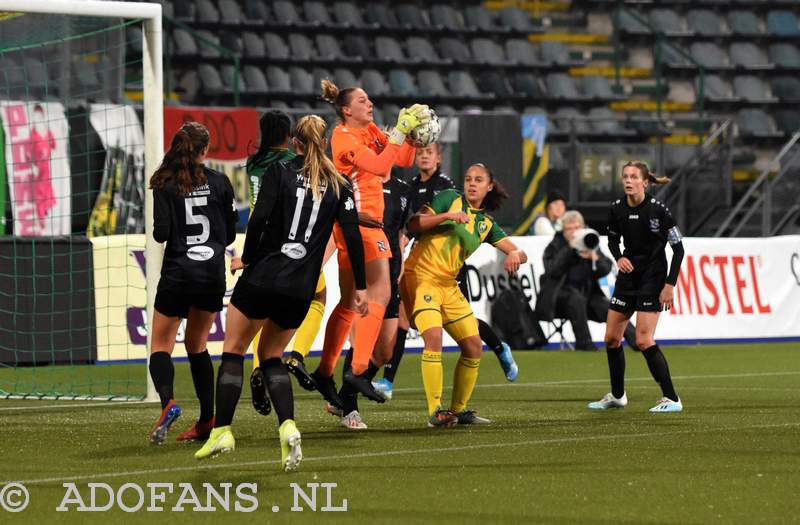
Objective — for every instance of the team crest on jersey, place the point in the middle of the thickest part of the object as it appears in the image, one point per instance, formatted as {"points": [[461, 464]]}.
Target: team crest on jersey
{"points": [[654, 224], [427, 298], [403, 203], [381, 246], [293, 250], [482, 228], [349, 204]]}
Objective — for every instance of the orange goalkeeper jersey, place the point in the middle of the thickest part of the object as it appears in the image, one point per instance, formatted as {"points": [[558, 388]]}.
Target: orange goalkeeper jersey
{"points": [[365, 155]]}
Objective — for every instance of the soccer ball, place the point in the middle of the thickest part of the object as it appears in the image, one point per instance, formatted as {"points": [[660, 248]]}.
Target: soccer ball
{"points": [[426, 134]]}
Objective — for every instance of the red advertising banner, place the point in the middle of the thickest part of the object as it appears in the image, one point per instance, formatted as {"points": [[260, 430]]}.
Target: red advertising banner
{"points": [[231, 130]]}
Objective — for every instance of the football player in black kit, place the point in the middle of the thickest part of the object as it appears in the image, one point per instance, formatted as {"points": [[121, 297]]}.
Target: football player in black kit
{"points": [[297, 204], [643, 285], [423, 188], [195, 213]]}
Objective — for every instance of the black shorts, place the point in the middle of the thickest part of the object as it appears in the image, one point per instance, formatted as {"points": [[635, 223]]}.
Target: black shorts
{"points": [[628, 304], [393, 308], [176, 304], [257, 303]]}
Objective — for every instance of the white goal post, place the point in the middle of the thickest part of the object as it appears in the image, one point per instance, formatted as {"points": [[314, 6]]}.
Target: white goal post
{"points": [[153, 87]]}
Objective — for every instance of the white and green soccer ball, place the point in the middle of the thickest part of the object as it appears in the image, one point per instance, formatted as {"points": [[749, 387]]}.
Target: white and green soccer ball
{"points": [[427, 133]]}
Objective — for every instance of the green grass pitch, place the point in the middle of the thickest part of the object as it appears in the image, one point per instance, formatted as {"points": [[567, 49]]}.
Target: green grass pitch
{"points": [[732, 456]]}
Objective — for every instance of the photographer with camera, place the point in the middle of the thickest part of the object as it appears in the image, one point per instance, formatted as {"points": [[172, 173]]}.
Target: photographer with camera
{"points": [[569, 289]]}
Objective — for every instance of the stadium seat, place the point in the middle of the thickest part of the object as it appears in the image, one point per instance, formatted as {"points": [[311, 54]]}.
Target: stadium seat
{"points": [[184, 10], [320, 74], [278, 104], [411, 17], [348, 15], [167, 9], [527, 84], [785, 56], [402, 83], [749, 56], [374, 83], [568, 119], [598, 87], [278, 80], [380, 15], [344, 78], [377, 116], [462, 84], [555, 53], [275, 46], [744, 23], [629, 24], [456, 50], [301, 47], [715, 89], [183, 44], [302, 81], [672, 56], [487, 52], [206, 12], [562, 86], [357, 46], [421, 49], [302, 105], [603, 121], [676, 156], [709, 55], [388, 49], [229, 81], [255, 80], [782, 23], [232, 41], [492, 81], [751, 89], [479, 18], [390, 112], [755, 123], [786, 88], [328, 47], [231, 13], [667, 21], [431, 84], [522, 52], [705, 22], [254, 46], [37, 81], [316, 14], [285, 13], [208, 44], [256, 12], [444, 16], [210, 80], [787, 120], [516, 19]]}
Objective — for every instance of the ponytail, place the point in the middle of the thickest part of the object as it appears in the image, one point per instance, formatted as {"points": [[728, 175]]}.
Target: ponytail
{"points": [[647, 174], [275, 127], [317, 167], [180, 162], [339, 98], [497, 194]]}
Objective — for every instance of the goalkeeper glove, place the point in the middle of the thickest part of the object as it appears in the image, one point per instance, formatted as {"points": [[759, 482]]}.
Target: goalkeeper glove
{"points": [[407, 120]]}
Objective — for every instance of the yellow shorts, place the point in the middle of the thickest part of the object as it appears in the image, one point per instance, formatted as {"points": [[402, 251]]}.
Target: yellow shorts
{"points": [[320, 282], [432, 304]]}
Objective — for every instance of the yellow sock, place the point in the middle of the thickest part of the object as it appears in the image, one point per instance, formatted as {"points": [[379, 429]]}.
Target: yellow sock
{"points": [[432, 379], [465, 377], [305, 335], [254, 346]]}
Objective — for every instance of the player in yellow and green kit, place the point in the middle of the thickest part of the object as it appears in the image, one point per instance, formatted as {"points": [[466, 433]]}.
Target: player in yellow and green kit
{"points": [[452, 227], [275, 129]]}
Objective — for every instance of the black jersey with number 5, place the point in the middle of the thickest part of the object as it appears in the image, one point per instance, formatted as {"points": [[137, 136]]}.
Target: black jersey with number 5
{"points": [[645, 230], [197, 227], [289, 229]]}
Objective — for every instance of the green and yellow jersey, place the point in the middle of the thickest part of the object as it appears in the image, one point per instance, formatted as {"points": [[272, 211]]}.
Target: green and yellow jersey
{"points": [[441, 252], [257, 166]]}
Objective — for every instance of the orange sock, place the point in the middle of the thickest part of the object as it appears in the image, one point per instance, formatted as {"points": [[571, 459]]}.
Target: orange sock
{"points": [[336, 332], [367, 331]]}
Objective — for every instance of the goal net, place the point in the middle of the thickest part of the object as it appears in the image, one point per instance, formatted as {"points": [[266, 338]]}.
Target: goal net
{"points": [[81, 114]]}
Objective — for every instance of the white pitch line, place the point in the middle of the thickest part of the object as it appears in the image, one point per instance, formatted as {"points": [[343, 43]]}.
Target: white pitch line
{"points": [[67, 404], [387, 453]]}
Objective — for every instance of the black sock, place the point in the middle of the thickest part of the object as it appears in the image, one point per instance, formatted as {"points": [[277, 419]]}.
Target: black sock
{"points": [[229, 387], [659, 369], [203, 378], [163, 374], [347, 393], [616, 369], [390, 368], [279, 386], [372, 371], [489, 337]]}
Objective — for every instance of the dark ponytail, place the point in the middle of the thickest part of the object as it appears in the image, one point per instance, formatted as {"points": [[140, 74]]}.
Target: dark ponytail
{"points": [[180, 162], [498, 193], [275, 127], [647, 174]]}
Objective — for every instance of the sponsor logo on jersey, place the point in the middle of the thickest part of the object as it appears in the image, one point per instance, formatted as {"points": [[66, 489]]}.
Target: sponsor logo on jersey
{"points": [[647, 303], [200, 190], [381, 246], [200, 253], [293, 250], [349, 204], [634, 216], [654, 224]]}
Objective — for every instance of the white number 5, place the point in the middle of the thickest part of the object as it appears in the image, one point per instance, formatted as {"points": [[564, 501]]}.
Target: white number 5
{"points": [[202, 220]]}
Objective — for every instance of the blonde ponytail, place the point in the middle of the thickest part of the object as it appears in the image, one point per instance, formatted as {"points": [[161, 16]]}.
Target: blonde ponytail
{"points": [[318, 169]]}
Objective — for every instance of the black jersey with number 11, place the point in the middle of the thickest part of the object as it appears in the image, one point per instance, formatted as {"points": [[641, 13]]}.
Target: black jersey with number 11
{"points": [[197, 228], [289, 229]]}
